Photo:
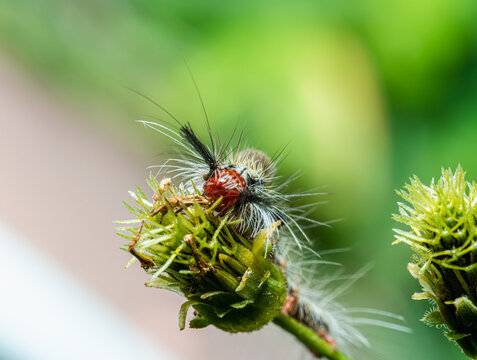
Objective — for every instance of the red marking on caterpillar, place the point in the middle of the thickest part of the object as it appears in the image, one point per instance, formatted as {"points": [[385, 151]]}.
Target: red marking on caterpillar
{"points": [[328, 338], [245, 179], [227, 184], [290, 303]]}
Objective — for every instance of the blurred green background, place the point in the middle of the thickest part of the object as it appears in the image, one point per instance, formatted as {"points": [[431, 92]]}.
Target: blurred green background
{"points": [[367, 93]]}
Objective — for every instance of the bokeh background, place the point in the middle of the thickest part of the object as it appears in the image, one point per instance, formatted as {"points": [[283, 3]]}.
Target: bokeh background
{"points": [[367, 93]]}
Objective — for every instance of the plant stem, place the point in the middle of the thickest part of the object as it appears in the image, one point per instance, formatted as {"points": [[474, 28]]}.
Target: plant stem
{"points": [[308, 337]]}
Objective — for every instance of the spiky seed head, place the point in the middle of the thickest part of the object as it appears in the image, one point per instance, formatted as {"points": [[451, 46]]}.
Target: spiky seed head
{"points": [[187, 248], [442, 220]]}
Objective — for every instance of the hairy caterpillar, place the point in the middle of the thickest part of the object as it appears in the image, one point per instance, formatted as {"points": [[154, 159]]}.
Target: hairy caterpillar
{"points": [[249, 190], [245, 180]]}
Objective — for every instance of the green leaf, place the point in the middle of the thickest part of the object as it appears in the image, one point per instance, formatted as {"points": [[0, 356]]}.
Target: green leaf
{"points": [[241, 304], [213, 293], [423, 296], [189, 272], [249, 285], [183, 312], [232, 263], [199, 323], [228, 281], [433, 318], [165, 283], [264, 278], [454, 336], [132, 221], [466, 313], [221, 312], [261, 242]]}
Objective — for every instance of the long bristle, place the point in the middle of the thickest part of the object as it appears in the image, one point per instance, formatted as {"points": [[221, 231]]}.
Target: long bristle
{"points": [[263, 204], [318, 284]]}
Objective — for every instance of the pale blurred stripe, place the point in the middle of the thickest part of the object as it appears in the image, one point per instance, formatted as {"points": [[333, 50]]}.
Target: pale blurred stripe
{"points": [[45, 314]]}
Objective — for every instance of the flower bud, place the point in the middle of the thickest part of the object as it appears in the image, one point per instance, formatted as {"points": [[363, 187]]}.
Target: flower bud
{"points": [[442, 232], [187, 247]]}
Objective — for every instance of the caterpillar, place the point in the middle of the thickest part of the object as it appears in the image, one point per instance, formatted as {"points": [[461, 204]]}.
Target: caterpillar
{"points": [[247, 187]]}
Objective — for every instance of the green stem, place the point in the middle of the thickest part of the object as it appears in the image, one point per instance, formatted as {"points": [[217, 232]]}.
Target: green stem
{"points": [[308, 337]]}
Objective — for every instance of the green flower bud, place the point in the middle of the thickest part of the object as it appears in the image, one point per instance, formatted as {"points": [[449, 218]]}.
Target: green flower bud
{"points": [[187, 248], [442, 218]]}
